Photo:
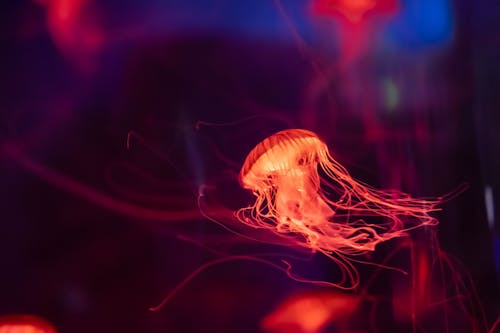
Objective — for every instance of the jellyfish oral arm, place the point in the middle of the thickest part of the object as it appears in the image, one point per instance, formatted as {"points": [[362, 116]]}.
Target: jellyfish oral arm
{"points": [[302, 190], [299, 207]]}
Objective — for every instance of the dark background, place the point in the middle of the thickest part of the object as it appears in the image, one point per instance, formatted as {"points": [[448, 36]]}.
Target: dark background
{"points": [[199, 83]]}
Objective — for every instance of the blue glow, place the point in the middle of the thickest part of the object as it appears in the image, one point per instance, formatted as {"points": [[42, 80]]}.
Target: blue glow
{"points": [[496, 252], [422, 23], [257, 18]]}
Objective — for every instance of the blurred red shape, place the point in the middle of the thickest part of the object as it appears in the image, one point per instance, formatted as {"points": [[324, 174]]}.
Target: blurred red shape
{"points": [[25, 324], [310, 312], [354, 10]]}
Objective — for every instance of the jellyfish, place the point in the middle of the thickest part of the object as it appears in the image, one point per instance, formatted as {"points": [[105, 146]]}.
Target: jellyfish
{"points": [[25, 324], [302, 191]]}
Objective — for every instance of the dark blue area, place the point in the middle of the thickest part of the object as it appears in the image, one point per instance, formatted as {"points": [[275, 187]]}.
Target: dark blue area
{"points": [[496, 251], [422, 23]]}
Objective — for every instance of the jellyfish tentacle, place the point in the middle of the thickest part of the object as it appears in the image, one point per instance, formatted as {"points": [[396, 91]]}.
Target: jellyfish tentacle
{"points": [[329, 210]]}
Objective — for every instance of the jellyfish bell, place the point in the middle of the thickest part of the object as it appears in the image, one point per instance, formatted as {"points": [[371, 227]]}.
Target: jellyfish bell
{"points": [[25, 324], [282, 172], [330, 210]]}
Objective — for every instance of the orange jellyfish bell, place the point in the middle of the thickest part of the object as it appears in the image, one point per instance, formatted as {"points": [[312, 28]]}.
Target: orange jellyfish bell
{"points": [[288, 160], [328, 210], [280, 153], [25, 324]]}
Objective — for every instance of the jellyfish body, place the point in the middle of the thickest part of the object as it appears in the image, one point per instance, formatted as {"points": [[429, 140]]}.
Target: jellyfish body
{"points": [[301, 189]]}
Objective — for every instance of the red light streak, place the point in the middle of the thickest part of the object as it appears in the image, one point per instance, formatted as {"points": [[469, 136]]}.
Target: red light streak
{"points": [[91, 194]]}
